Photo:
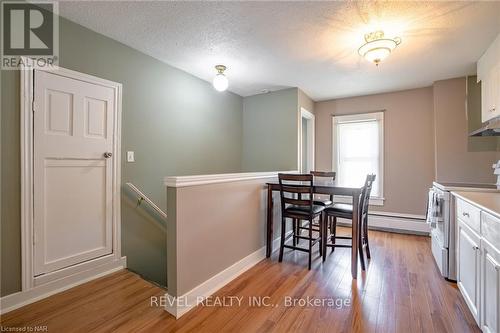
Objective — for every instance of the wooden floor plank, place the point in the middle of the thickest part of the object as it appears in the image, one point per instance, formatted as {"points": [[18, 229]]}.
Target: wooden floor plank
{"points": [[401, 291]]}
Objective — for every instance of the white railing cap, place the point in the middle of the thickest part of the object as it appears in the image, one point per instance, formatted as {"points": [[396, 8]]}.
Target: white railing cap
{"points": [[183, 181]]}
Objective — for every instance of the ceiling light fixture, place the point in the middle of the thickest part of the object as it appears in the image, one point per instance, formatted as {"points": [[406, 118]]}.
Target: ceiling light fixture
{"points": [[377, 47], [220, 80]]}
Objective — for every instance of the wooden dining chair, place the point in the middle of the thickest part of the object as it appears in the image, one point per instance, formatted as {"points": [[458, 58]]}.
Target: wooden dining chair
{"points": [[292, 188], [327, 175], [346, 211]]}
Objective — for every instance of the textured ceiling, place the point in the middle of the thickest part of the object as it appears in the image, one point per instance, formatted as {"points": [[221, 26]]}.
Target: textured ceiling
{"points": [[311, 45]]}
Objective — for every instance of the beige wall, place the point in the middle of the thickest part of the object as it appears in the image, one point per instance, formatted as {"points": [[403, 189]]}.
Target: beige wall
{"points": [[211, 227], [409, 153], [458, 156], [305, 102]]}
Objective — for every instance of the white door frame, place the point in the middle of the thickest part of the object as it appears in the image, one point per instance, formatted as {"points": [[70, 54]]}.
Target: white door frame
{"points": [[27, 195], [310, 138]]}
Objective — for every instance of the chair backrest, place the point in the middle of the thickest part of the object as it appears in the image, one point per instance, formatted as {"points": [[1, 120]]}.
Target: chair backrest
{"points": [[325, 174], [292, 187], [365, 195]]}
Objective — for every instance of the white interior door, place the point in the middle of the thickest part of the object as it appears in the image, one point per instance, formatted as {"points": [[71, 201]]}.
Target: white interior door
{"points": [[73, 134]]}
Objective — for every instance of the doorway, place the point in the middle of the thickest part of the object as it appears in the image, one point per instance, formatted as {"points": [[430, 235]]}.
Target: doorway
{"points": [[306, 141], [71, 174]]}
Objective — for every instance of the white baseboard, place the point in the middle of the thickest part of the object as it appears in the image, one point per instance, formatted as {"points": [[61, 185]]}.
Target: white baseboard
{"points": [[22, 298], [182, 304], [401, 224]]}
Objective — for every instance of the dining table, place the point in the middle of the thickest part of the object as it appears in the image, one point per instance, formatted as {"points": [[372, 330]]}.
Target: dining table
{"points": [[326, 188]]}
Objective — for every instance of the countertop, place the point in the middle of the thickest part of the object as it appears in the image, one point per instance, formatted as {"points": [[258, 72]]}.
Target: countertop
{"points": [[487, 201]]}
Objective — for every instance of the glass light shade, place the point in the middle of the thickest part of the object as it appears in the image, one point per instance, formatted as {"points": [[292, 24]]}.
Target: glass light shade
{"points": [[377, 50], [220, 82]]}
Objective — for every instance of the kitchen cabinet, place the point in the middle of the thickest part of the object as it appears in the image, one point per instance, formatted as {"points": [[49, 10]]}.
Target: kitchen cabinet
{"points": [[490, 287], [488, 72], [478, 260], [469, 266]]}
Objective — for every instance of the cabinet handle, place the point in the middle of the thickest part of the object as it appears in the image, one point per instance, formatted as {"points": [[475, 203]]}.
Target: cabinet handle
{"points": [[466, 214], [475, 248]]}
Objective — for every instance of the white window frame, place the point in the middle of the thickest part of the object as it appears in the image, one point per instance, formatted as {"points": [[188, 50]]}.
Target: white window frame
{"points": [[368, 116]]}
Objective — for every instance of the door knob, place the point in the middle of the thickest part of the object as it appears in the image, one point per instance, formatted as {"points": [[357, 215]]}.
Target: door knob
{"points": [[108, 154]]}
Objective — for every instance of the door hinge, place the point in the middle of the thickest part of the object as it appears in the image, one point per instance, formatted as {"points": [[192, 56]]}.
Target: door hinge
{"points": [[33, 106]]}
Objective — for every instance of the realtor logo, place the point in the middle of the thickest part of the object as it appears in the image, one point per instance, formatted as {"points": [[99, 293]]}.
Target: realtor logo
{"points": [[30, 33]]}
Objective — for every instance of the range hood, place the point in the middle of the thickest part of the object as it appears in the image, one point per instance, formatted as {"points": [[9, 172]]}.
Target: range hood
{"points": [[489, 128]]}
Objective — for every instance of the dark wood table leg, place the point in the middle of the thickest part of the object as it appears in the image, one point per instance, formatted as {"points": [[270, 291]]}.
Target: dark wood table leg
{"points": [[355, 240], [269, 223], [324, 235]]}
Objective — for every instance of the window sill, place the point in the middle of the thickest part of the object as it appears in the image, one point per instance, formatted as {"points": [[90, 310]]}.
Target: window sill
{"points": [[374, 201]]}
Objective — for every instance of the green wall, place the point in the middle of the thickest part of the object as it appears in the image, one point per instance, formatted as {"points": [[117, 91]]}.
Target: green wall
{"points": [[270, 131], [10, 268], [176, 123]]}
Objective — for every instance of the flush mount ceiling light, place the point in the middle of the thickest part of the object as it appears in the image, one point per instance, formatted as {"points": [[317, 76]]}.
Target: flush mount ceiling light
{"points": [[377, 47], [220, 80]]}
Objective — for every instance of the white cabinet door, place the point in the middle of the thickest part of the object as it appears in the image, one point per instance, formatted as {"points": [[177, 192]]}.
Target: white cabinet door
{"points": [[488, 71], [490, 288], [485, 98], [493, 95], [469, 256], [490, 95], [495, 91], [74, 134]]}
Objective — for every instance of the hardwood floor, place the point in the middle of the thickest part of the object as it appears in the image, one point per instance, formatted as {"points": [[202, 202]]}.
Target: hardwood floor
{"points": [[401, 291]]}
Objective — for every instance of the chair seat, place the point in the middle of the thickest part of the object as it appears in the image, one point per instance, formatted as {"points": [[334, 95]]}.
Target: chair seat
{"points": [[339, 208], [324, 203], [303, 210]]}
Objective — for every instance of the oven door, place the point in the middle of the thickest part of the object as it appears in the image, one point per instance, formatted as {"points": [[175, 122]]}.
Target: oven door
{"points": [[439, 252], [440, 233]]}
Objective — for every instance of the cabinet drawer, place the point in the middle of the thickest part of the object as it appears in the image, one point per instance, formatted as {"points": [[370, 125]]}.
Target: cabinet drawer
{"points": [[469, 214], [490, 228]]}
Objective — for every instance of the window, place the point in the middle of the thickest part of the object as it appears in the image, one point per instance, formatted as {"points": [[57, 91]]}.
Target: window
{"points": [[358, 149]]}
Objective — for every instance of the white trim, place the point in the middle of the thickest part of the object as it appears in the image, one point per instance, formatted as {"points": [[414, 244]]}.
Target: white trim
{"points": [[22, 298], [310, 139], [71, 270], [26, 131], [181, 305], [374, 201], [26, 96], [399, 223], [183, 181], [367, 116]]}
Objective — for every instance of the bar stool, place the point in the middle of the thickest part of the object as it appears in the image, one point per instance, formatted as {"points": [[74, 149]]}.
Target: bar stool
{"points": [[317, 201], [345, 211], [298, 209], [327, 175]]}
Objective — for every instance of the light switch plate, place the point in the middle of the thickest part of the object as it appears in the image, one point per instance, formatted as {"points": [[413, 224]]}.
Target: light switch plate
{"points": [[130, 156]]}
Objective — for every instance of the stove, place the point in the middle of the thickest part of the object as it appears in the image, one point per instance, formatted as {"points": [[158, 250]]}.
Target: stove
{"points": [[443, 225]]}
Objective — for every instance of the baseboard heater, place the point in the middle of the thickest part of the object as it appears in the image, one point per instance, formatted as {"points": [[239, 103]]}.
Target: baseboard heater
{"points": [[394, 222]]}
